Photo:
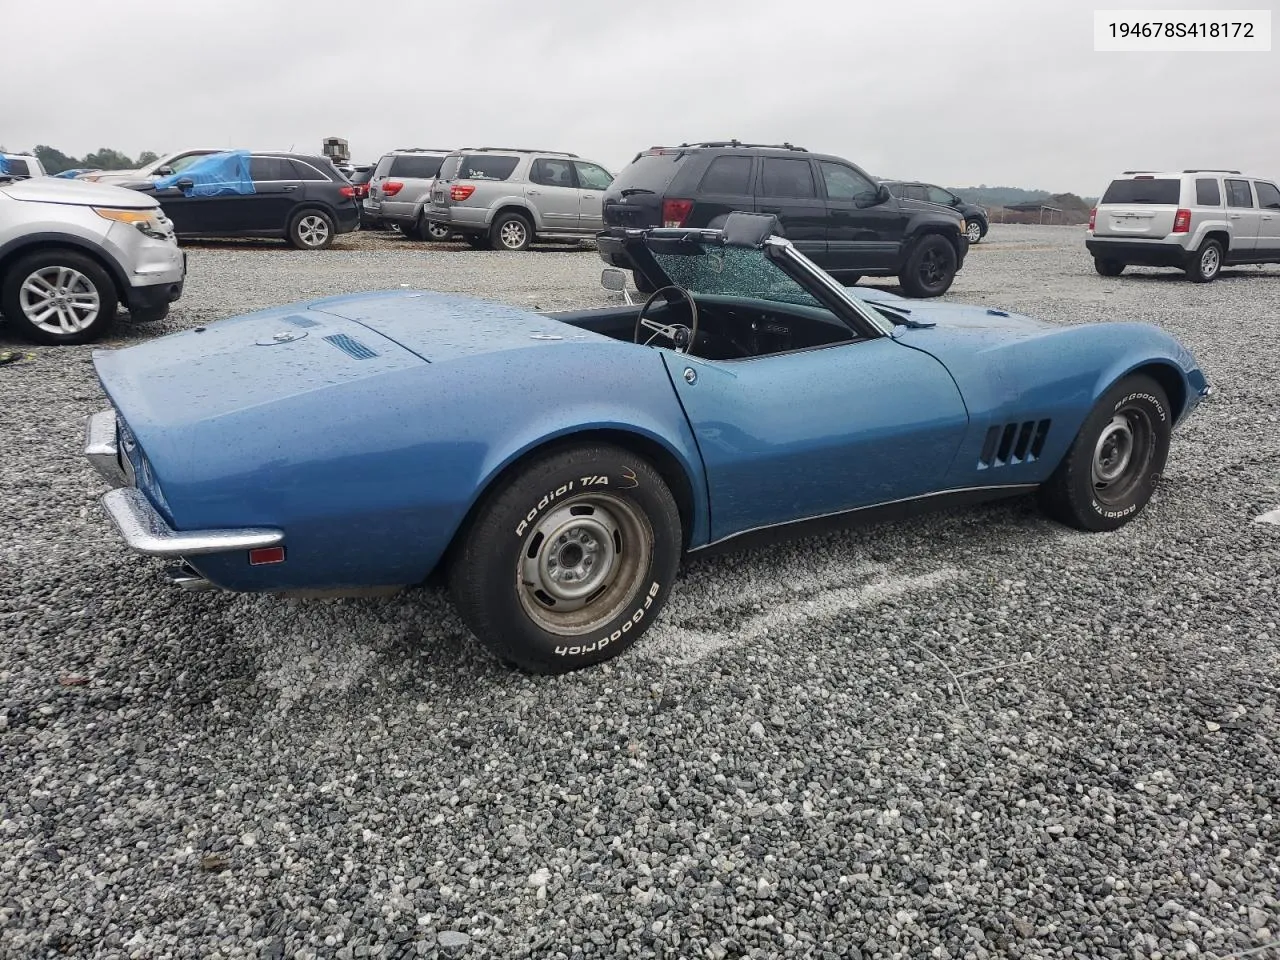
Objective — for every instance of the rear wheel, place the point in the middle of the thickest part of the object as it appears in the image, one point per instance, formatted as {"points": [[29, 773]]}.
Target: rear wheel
{"points": [[436, 232], [930, 267], [570, 560], [1108, 268], [1206, 263], [58, 297], [311, 230], [511, 231], [1112, 467]]}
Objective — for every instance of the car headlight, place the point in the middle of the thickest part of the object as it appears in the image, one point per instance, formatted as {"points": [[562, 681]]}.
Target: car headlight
{"points": [[149, 222]]}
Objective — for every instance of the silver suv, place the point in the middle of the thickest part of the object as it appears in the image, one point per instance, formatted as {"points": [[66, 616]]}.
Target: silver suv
{"points": [[1196, 220], [401, 182], [508, 198], [71, 251]]}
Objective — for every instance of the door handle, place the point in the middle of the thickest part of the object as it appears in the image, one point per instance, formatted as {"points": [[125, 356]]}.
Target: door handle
{"points": [[1233, 216], [290, 187], [533, 193]]}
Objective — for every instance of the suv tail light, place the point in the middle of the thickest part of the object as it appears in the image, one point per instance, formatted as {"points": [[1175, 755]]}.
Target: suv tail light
{"points": [[676, 212], [1182, 221], [459, 193], [1093, 217], [391, 187], [348, 190]]}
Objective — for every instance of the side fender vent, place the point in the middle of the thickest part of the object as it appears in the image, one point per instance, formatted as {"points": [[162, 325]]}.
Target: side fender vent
{"points": [[1013, 443], [351, 346]]}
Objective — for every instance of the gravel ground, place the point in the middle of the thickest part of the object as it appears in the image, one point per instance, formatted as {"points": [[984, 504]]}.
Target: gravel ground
{"points": [[971, 735]]}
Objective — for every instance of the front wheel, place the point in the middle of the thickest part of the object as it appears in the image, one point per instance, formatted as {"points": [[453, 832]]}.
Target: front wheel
{"points": [[58, 297], [1112, 467], [930, 268], [570, 560], [973, 230], [311, 230]]}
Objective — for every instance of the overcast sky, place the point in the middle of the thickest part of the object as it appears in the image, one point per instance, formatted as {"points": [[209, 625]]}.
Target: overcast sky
{"points": [[1001, 92]]}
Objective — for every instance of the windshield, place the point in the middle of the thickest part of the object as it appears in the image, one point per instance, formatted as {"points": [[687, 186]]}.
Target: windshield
{"points": [[728, 272]]}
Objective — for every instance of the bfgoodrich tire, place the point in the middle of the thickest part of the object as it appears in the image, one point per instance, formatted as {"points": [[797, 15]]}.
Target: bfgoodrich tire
{"points": [[1115, 462], [930, 267], [58, 297], [570, 561]]}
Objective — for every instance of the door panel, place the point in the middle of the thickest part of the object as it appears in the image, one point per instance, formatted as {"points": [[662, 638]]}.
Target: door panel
{"points": [[785, 187], [593, 180], [815, 432], [553, 191], [859, 237], [1243, 218], [1269, 219]]}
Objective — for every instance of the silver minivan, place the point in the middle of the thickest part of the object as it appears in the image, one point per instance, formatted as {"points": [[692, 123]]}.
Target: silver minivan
{"points": [[400, 184], [1196, 220], [508, 198]]}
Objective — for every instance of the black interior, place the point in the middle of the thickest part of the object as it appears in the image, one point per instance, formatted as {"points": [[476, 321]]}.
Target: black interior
{"points": [[729, 328]]}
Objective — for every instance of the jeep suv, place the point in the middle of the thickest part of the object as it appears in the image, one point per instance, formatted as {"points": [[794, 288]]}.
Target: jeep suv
{"points": [[976, 221], [71, 252], [400, 183], [833, 211], [1196, 220], [508, 198]]}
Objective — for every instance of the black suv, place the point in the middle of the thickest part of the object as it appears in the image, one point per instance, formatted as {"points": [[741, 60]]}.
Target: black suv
{"points": [[303, 199], [975, 217], [833, 212]]}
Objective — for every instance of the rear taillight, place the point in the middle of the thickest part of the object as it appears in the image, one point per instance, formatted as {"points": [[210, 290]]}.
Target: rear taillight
{"points": [[1182, 221], [347, 191], [391, 187], [1093, 217], [460, 193], [676, 212]]}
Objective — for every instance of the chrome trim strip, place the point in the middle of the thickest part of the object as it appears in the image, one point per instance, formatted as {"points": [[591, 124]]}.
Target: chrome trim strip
{"points": [[1013, 488], [147, 532], [101, 448], [820, 276]]}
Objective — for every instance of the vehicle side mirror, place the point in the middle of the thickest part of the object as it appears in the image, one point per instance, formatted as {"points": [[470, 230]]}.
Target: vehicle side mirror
{"points": [[164, 171], [186, 183], [881, 195], [611, 278], [956, 201]]}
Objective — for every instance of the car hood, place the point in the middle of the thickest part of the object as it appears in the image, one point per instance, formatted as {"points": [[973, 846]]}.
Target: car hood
{"points": [[76, 193], [959, 325]]}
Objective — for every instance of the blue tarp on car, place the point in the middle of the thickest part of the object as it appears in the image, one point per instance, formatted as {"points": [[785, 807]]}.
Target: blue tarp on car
{"points": [[74, 172], [215, 175], [4, 164]]}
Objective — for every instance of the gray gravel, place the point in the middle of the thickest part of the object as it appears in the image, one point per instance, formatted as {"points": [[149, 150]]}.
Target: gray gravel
{"points": [[971, 735]]}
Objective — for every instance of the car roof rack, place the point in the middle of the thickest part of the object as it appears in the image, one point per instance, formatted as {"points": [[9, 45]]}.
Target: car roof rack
{"points": [[556, 153], [1127, 172], [420, 150], [1211, 170], [739, 143]]}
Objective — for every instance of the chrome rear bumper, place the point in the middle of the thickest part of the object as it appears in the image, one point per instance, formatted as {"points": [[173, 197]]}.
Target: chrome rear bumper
{"points": [[141, 525]]}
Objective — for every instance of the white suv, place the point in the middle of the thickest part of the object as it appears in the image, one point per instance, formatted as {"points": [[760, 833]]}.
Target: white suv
{"points": [[71, 252], [1196, 220]]}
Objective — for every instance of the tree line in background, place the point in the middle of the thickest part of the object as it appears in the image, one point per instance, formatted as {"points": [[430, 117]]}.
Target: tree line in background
{"points": [[55, 161]]}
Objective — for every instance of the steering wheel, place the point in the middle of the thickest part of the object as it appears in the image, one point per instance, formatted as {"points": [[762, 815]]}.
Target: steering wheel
{"points": [[682, 338]]}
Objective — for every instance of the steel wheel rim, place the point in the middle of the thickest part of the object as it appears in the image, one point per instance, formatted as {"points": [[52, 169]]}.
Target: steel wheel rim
{"points": [[512, 234], [437, 231], [1209, 262], [59, 300], [931, 267], [974, 232], [1121, 455], [313, 230], [582, 563]]}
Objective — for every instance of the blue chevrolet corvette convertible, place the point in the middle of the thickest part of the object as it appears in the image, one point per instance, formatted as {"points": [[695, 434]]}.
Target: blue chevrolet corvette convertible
{"points": [[555, 468]]}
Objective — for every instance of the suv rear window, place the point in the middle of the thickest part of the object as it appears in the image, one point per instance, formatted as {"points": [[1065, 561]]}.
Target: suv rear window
{"points": [[1143, 191], [649, 171], [1208, 194], [414, 166], [481, 166], [17, 167]]}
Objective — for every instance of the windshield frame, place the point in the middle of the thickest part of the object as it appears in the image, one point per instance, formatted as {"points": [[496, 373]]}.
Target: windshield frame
{"points": [[864, 321]]}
